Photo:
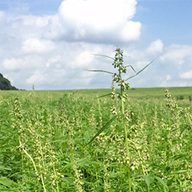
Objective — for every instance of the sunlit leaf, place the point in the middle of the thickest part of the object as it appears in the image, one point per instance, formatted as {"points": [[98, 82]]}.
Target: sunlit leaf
{"points": [[147, 179], [4, 168], [104, 95], [102, 129], [162, 182], [100, 71], [104, 56], [131, 67], [139, 71]]}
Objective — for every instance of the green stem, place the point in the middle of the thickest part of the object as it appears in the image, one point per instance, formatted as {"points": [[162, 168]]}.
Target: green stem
{"points": [[22, 167], [55, 173], [126, 141], [31, 160], [36, 171]]}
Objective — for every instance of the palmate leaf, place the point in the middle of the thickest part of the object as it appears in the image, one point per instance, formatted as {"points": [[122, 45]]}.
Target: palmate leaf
{"points": [[102, 129], [139, 71]]}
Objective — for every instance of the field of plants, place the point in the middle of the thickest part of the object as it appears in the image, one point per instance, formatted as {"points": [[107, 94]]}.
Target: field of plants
{"points": [[123, 140], [76, 141]]}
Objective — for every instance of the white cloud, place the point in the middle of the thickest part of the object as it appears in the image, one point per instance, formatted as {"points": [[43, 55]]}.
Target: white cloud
{"points": [[53, 51], [23, 63], [98, 13], [35, 45], [96, 21], [155, 47], [130, 32], [186, 75], [84, 59], [53, 60], [142, 64], [37, 78], [34, 21], [176, 54], [13, 63]]}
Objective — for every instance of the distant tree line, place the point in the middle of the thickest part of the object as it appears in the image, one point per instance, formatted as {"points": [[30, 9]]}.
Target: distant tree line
{"points": [[5, 84]]}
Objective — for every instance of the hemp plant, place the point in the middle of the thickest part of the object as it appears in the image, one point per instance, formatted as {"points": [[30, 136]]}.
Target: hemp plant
{"points": [[118, 63]]}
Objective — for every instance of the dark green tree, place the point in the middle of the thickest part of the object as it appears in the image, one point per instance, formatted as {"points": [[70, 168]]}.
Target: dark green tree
{"points": [[5, 84]]}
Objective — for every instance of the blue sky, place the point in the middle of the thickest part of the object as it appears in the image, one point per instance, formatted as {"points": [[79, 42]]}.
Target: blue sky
{"points": [[50, 43], [166, 19]]}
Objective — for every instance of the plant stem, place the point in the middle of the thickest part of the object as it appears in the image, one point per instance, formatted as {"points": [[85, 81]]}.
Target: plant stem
{"points": [[126, 141], [36, 171]]}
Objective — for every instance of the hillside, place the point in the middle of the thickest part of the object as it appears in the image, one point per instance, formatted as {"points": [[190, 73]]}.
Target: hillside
{"points": [[5, 84]]}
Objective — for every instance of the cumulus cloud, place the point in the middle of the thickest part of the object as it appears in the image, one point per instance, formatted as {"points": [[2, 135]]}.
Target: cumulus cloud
{"points": [[42, 49], [32, 45], [24, 63], [155, 47], [176, 54], [95, 21], [84, 59], [53, 51], [12, 64], [37, 78], [186, 75]]}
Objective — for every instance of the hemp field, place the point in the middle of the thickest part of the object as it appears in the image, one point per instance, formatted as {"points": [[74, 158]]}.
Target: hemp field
{"points": [[47, 141]]}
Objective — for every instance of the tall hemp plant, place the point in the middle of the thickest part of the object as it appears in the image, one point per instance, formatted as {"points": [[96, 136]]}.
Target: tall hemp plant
{"points": [[118, 63]]}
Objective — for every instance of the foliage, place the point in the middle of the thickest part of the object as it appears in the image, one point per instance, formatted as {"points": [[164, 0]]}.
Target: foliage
{"points": [[118, 63], [74, 142], [5, 84], [55, 132]]}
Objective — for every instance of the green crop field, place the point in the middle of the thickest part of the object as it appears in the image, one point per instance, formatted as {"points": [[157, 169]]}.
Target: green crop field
{"points": [[135, 93], [78, 141]]}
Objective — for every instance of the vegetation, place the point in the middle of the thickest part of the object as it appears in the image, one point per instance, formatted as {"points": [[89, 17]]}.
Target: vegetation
{"points": [[5, 84], [118, 63], [79, 141], [44, 143], [54, 131]]}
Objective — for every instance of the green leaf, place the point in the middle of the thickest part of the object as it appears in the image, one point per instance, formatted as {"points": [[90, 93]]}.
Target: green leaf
{"points": [[4, 168], [179, 171], [6, 182], [147, 179], [139, 71], [102, 71], [162, 182], [137, 176], [131, 67], [104, 56], [102, 129], [104, 95], [179, 156]]}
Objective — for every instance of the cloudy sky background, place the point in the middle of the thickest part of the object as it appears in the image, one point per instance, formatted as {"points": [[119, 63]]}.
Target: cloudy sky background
{"points": [[51, 43]]}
